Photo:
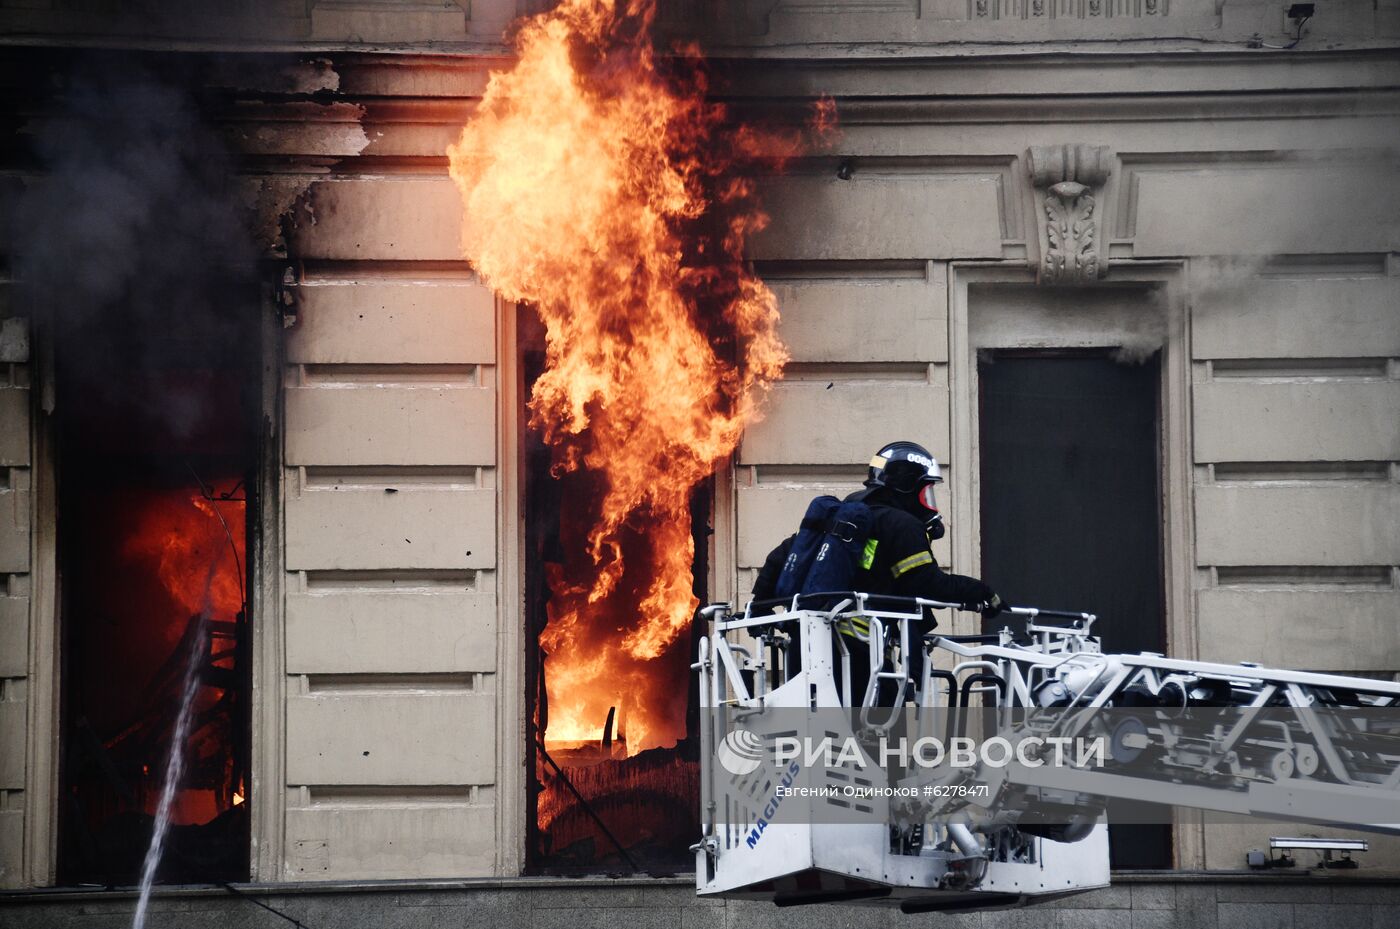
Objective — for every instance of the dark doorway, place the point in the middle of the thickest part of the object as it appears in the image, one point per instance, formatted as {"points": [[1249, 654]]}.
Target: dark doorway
{"points": [[1072, 509]]}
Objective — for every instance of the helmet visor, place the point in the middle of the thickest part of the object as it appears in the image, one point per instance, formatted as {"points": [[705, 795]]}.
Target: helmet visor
{"points": [[926, 499]]}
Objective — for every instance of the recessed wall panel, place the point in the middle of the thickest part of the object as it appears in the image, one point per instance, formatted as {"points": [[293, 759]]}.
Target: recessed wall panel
{"points": [[1341, 420], [399, 321], [372, 528], [391, 737], [359, 632], [1303, 524], [809, 422], [872, 216]]}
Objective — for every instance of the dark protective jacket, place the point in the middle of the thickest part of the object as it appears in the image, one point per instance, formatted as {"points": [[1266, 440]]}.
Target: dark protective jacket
{"points": [[900, 562]]}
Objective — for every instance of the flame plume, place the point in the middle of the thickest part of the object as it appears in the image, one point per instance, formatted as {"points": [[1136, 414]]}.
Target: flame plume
{"points": [[602, 187]]}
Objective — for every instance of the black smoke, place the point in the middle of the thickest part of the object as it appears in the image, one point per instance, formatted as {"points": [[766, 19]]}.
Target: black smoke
{"points": [[132, 251]]}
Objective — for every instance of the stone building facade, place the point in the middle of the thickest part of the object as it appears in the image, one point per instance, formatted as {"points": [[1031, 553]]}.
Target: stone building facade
{"points": [[1022, 175]]}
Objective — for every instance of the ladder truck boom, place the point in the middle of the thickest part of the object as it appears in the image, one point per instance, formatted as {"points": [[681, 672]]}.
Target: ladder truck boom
{"points": [[1002, 828]]}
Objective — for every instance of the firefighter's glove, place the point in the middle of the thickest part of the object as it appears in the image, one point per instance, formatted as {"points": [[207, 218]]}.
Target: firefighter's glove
{"points": [[982, 599]]}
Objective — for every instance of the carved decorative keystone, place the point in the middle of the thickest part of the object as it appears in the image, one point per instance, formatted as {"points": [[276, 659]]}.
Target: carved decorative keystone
{"points": [[1068, 176]]}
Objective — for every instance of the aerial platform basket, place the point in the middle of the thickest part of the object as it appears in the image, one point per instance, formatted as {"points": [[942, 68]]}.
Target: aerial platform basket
{"points": [[777, 827]]}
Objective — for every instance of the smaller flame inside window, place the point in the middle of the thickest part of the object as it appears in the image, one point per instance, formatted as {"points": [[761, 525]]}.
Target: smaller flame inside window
{"points": [[153, 514]]}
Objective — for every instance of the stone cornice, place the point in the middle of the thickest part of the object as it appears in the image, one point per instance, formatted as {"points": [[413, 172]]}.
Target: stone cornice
{"points": [[927, 111], [862, 54], [1165, 107]]}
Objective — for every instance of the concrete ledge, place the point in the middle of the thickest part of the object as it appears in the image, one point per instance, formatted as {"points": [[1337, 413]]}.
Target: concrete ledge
{"points": [[1160, 899], [1302, 876]]}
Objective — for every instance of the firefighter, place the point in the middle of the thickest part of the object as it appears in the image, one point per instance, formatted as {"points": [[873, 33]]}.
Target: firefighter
{"points": [[899, 489]]}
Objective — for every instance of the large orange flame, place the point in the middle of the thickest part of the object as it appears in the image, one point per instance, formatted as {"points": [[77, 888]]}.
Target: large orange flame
{"points": [[600, 185], [178, 534]]}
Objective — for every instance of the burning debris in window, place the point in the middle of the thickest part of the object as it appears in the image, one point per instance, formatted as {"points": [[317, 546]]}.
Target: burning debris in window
{"points": [[153, 578], [603, 797]]}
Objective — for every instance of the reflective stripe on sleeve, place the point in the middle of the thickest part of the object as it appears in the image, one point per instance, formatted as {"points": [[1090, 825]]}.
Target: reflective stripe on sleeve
{"points": [[913, 561], [856, 624]]}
